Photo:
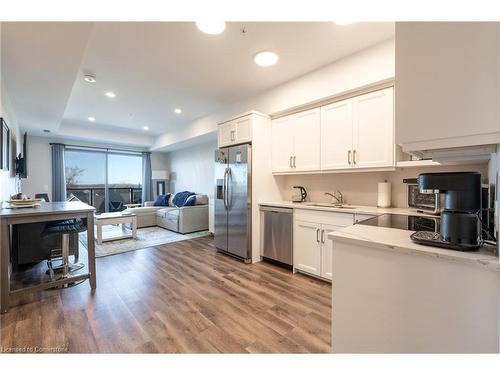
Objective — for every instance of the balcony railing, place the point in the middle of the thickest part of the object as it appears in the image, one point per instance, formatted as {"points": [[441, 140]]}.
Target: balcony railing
{"points": [[119, 196]]}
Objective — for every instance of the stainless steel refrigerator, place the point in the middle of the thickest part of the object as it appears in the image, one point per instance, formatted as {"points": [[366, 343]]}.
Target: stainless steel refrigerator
{"points": [[233, 201]]}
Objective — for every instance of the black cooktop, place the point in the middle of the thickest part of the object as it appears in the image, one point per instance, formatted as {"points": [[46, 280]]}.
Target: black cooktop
{"points": [[405, 222]]}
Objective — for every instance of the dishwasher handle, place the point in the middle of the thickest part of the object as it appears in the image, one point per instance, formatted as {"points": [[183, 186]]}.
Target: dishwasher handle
{"points": [[276, 209]]}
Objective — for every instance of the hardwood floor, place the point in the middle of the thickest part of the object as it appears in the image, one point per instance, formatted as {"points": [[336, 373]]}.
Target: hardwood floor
{"points": [[182, 297]]}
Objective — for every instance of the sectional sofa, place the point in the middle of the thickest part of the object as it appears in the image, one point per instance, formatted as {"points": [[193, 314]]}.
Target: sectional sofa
{"points": [[178, 219]]}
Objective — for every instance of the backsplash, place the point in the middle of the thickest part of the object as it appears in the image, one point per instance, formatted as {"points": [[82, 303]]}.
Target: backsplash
{"points": [[361, 187]]}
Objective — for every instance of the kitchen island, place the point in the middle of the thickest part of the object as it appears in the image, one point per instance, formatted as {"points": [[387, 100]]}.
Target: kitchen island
{"points": [[390, 295]]}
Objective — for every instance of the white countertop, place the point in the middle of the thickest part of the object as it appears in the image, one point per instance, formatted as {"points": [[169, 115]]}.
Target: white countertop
{"points": [[399, 240], [390, 238], [356, 209]]}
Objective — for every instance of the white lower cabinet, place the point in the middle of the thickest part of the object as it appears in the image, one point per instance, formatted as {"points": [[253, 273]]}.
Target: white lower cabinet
{"points": [[326, 251], [312, 251], [307, 247]]}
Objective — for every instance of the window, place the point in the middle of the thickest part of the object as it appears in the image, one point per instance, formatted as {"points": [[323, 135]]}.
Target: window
{"points": [[124, 170], [104, 179]]}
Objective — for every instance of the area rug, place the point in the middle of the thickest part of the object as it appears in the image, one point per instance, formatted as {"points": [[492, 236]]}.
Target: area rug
{"points": [[146, 237]]}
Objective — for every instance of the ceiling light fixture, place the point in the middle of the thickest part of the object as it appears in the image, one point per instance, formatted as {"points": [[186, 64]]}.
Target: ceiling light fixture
{"points": [[146, 128], [211, 27], [178, 111], [90, 78], [91, 118], [110, 94], [265, 58]]}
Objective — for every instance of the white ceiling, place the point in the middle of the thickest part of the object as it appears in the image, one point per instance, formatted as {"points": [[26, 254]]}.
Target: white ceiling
{"points": [[156, 67]]}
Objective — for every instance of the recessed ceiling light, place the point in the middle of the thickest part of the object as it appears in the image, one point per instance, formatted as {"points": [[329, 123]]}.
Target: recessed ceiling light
{"points": [[110, 94], [178, 111], [91, 118], [146, 128], [90, 78], [211, 27], [265, 58]]}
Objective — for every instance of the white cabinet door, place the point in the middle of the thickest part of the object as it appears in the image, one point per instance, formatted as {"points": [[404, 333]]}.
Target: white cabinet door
{"points": [[307, 247], [306, 140], [243, 130], [282, 144], [336, 135], [327, 250], [373, 130], [226, 134]]}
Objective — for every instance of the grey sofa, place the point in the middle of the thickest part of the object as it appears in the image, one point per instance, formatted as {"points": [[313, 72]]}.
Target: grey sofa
{"points": [[178, 219]]}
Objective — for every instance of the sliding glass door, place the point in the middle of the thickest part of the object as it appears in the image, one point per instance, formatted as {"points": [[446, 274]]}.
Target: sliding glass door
{"points": [[104, 179], [124, 178]]}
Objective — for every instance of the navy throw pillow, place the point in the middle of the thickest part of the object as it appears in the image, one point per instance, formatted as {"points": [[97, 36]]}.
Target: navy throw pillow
{"points": [[180, 198], [191, 201], [162, 200]]}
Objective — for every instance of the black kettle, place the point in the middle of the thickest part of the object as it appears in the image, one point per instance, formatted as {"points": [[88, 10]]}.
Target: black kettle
{"points": [[300, 195]]}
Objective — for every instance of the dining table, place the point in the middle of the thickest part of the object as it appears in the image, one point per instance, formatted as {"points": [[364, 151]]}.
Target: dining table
{"points": [[42, 212]]}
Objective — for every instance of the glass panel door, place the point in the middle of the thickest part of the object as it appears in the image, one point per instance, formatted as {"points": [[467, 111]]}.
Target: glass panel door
{"points": [[86, 176], [104, 179], [124, 180]]}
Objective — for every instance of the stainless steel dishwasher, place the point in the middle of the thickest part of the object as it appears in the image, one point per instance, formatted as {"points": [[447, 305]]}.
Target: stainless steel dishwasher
{"points": [[277, 234]]}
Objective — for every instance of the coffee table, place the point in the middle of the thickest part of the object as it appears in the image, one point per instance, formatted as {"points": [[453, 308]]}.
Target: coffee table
{"points": [[116, 218]]}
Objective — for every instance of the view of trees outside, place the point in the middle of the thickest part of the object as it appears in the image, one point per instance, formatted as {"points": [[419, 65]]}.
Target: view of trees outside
{"points": [[85, 173]]}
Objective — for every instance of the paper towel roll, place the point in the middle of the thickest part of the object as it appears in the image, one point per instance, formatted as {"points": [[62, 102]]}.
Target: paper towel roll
{"points": [[384, 194]]}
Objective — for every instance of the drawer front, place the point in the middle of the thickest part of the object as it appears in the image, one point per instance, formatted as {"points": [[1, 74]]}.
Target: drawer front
{"points": [[339, 219]]}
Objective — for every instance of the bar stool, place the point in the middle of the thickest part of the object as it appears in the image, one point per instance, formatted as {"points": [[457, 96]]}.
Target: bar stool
{"points": [[64, 228]]}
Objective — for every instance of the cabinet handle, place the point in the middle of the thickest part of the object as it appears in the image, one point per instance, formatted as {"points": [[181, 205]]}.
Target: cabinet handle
{"points": [[294, 165], [354, 156], [291, 158], [317, 235], [232, 135], [349, 157], [323, 236]]}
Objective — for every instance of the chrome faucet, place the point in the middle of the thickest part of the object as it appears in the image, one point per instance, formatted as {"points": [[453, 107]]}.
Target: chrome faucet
{"points": [[339, 198]]}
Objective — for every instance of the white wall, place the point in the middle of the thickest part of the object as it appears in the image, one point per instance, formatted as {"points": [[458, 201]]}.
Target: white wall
{"points": [[7, 178], [39, 163], [361, 188], [192, 168], [365, 67], [39, 167]]}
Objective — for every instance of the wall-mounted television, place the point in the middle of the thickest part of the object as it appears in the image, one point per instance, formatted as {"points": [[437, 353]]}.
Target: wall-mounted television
{"points": [[22, 159]]}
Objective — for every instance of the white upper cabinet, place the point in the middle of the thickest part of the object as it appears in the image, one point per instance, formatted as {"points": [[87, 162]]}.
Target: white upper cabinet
{"points": [[224, 134], [336, 135], [373, 130], [295, 141], [235, 132], [356, 133], [282, 144], [447, 78], [243, 129], [306, 140]]}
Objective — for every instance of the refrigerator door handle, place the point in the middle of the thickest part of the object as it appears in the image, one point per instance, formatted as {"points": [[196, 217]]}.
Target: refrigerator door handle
{"points": [[224, 189], [228, 188]]}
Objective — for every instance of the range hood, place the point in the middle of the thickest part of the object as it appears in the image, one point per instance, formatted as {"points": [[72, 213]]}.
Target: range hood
{"points": [[469, 153]]}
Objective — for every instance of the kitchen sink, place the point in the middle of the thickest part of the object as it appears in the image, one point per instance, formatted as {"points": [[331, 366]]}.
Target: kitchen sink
{"points": [[329, 205]]}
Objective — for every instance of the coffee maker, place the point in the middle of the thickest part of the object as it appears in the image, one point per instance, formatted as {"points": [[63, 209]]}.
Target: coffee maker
{"points": [[460, 227]]}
